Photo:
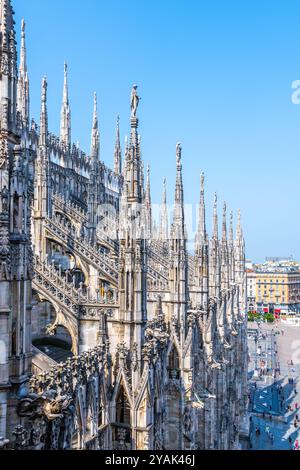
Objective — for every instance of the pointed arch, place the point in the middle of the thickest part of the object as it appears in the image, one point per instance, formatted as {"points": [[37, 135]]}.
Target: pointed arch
{"points": [[173, 363], [123, 408]]}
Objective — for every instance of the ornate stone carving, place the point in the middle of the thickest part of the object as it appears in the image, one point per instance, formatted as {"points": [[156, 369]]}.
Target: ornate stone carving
{"points": [[4, 249]]}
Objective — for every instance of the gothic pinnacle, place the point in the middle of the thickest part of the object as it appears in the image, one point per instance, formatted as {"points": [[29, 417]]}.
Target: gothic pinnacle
{"points": [[215, 217], [201, 236], [65, 122], [239, 232], [202, 187], [148, 191], [4, 22], [23, 66], [23, 84], [178, 217], [118, 151], [66, 91], [224, 226], [231, 228], [148, 201], [95, 115], [44, 114], [134, 173], [163, 225], [95, 139], [179, 186], [164, 198]]}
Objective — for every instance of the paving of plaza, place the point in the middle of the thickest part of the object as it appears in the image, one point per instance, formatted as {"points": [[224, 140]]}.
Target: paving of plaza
{"points": [[274, 386]]}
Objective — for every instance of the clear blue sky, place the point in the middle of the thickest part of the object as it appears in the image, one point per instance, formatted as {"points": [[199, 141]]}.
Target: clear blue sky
{"points": [[215, 75]]}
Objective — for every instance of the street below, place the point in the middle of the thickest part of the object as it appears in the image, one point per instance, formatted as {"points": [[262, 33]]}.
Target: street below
{"points": [[274, 387]]}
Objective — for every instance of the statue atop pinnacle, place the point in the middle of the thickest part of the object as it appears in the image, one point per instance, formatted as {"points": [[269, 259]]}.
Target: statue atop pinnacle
{"points": [[134, 101]]}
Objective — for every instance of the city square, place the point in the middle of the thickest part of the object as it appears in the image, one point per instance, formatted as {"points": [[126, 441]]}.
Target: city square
{"points": [[273, 380]]}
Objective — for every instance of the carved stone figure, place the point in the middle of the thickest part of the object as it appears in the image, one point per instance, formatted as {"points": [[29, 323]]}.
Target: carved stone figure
{"points": [[134, 101]]}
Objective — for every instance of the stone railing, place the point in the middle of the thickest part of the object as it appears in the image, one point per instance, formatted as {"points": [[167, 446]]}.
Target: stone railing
{"points": [[94, 255], [110, 239], [77, 213], [160, 249], [156, 280], [70, 208], [50, 283], [97, 256], [158, 260]]}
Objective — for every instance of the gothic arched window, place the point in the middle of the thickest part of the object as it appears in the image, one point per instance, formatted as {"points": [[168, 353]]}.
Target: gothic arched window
{"points": [[173, 363], [122, 408]]}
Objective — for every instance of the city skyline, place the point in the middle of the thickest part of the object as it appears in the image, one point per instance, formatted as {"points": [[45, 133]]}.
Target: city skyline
{"points": [[228, 102]]}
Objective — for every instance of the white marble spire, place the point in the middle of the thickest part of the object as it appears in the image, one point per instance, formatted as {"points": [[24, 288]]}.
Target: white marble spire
{"points": [[215, 218], [134, 164], [231, 228], [23, 81], [118, 151], [239, 231], [178, 214], [148, 206], [95, 139], [224, 223], [9, 73], [65, 121], [44, 114], [164, 223], [201, 234]]}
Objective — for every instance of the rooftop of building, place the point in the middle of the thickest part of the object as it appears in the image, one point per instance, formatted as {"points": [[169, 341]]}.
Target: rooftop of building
{"points": [[274, 265]]}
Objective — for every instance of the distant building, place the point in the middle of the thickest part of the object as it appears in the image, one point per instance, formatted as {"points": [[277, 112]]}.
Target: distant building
{"points": [[249, 264], [251, 290], [274, 286]]}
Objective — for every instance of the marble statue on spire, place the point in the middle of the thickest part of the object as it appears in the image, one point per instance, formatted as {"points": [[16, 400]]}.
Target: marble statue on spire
{"points": [[178, 152], [134, 101]]}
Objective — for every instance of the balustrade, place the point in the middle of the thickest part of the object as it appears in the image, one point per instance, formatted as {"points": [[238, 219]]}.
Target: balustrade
{"points": [[51, 281]]}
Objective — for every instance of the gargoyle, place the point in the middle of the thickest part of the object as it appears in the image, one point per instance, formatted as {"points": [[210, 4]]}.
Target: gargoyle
{"points": [[49, 405]]}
